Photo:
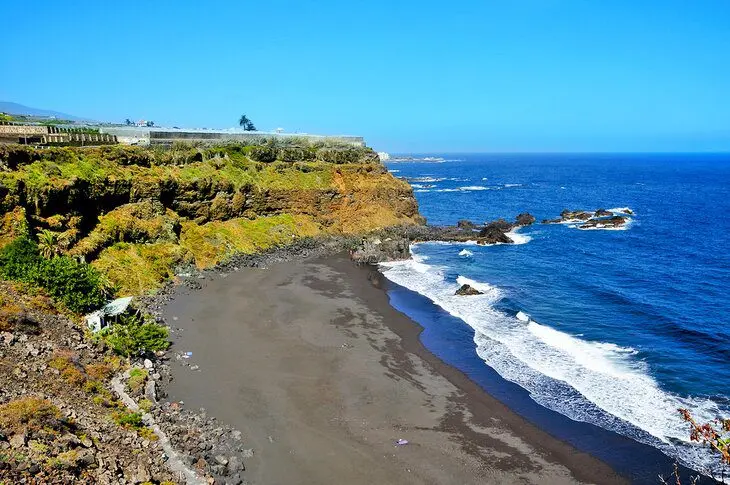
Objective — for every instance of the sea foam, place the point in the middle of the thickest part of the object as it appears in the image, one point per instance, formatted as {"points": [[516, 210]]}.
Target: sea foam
{"points": [[596, 382]]}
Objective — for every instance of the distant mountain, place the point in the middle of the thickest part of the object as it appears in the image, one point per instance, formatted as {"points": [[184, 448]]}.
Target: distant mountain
{"points": [[19, 109]]}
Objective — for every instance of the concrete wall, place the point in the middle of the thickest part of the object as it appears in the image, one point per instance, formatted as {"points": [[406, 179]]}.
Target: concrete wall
{"points": [[20, 130], [162, 136]]}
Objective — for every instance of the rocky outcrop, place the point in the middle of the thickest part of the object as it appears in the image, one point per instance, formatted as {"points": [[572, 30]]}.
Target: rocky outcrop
{"points": [[525, 219], [495, 233], [608, 223], [465, 224], [466, 290], [599, 219], [375, 249], [577, 215]]}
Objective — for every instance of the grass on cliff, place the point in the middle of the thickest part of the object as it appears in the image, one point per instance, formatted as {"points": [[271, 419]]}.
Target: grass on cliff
{"points": [[216, 241]]}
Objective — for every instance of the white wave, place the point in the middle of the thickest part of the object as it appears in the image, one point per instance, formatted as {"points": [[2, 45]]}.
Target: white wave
{"points": [[518, 238], [422, 190], [426, 179], [596, 382], [466, 253], [473, 187], [523, 317], [513, 185], [621, 211], [394, 171], [485, 178]]}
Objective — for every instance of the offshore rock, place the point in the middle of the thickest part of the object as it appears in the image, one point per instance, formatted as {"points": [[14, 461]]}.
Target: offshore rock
{"points": [[467, 290], [612, 222], [525, 219], [581, 215]]}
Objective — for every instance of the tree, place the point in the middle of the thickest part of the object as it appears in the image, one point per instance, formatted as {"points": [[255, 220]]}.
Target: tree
{"points": [[48, 244], [150, 123], [246, 123], [128, 122]]}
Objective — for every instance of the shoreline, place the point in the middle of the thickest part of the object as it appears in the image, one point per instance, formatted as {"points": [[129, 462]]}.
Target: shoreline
{"points": [[337, 374]]}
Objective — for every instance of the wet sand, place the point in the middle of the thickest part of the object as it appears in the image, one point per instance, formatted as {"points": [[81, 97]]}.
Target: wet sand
{"points": [[309, 360]]}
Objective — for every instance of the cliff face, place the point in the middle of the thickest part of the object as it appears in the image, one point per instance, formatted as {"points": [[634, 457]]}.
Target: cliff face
{"points": [[137, 213]]}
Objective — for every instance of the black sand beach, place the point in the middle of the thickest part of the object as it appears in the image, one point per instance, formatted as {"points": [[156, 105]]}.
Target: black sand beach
{"points": [[323, 376]]}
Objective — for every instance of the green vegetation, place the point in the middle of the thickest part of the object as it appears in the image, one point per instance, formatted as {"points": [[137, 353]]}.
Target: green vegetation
{"points": [[128, 419], [29, 414], [137, 215], [246, 124], [133, 336], [78, 286], [137, 379]]}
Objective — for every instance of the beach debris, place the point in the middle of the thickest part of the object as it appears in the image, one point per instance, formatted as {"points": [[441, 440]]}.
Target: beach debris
{"points": [[401, 442], [147, 364], [194, 367], [99, 320]]}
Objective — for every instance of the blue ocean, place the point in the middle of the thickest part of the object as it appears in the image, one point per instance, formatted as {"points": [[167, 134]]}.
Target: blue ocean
{"points": [[615, 328]]}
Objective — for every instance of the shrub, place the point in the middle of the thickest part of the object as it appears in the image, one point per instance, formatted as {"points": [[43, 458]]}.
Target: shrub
{"points": [[29, 414], [145, 405], [128, 420], [77, 285], [133, 336], [137, 378], [263, 154]]}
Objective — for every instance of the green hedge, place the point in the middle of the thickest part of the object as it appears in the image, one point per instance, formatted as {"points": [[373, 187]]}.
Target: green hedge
{"points": [[77, 285]]}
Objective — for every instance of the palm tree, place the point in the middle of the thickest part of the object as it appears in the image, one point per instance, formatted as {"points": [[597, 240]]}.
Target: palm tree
{"points": [[246, 123], [128, 122], [48, 243]]}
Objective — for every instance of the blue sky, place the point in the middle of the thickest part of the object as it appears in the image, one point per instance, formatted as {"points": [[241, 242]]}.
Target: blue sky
{"points": [[518, 75]]}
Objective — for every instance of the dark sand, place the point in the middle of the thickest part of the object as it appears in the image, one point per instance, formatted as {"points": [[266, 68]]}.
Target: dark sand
{"points": [[309, 360]]}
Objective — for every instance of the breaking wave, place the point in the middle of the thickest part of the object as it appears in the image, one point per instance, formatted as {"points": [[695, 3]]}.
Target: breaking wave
{"points": [[595, 382]]}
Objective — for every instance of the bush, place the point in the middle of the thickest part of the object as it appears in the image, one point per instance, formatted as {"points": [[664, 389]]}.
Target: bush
{"points": [[137, 379], [128, 420], [77, 285], [133, 336], [29, 414], [263, 154]]}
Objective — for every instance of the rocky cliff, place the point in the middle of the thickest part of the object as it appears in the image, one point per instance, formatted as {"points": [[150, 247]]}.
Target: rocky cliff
{"points": [[137, 214]]}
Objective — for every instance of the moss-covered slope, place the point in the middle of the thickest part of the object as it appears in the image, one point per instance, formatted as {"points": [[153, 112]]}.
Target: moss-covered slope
{"points": [[137, 213]]}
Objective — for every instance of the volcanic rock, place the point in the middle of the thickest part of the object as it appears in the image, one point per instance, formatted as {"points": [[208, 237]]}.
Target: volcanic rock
{"points": [[581, 215], [525, 219], [615, 221], [467, 290], [465, 224]]}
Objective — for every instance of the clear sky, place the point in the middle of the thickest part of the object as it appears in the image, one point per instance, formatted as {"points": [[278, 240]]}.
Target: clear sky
{"points": [[418, 76]]}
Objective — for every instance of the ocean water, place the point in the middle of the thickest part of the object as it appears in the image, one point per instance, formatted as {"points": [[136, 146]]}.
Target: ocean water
{"points": [[616, 328]]}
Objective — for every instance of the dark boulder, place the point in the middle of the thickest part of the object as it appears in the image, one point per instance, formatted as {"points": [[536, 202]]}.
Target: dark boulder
{"points": [[467, 290], [628, 211], [602, 213], [581, 215], [525, 219], [615, 221], [465, 224], [373, 250], [552, 221], [500, 224], [493, 234]]}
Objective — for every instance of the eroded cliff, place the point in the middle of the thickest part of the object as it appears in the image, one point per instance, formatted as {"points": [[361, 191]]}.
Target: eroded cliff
{"points": [[136, 213]]}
